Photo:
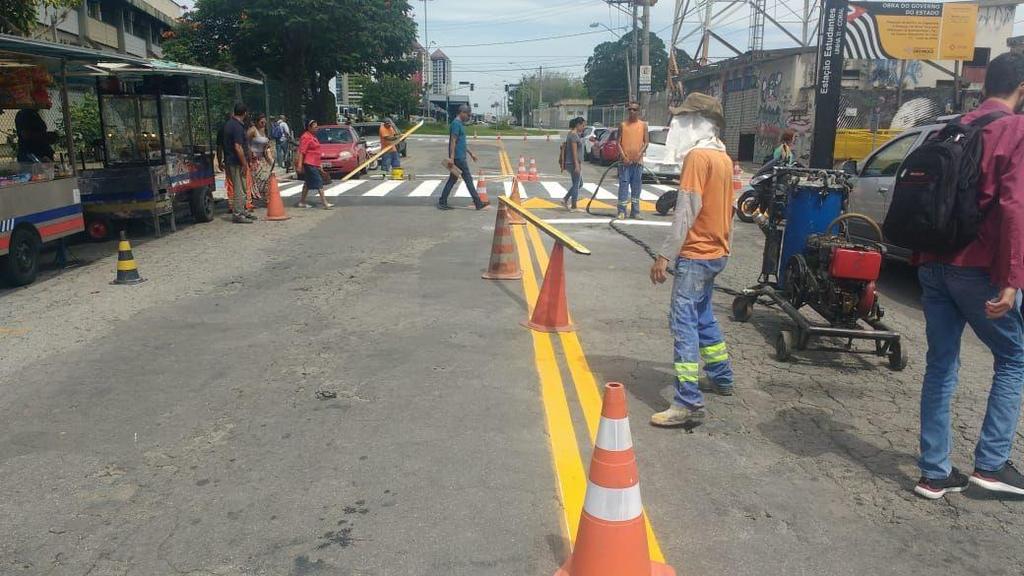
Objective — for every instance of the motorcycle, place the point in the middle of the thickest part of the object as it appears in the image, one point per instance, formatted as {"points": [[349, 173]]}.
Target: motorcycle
{"points": [[749, 199]]}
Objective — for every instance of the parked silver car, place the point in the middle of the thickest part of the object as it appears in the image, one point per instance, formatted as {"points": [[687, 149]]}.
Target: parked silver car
{"points": [[875, 178]]}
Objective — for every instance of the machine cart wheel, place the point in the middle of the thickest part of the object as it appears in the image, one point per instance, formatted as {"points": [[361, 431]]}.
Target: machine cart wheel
{"points": [[784, 344], [898, 357], [742, 308], [21, 265], [201, 204]]}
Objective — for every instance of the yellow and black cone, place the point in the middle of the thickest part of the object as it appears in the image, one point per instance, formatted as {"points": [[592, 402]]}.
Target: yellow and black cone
{"points": [[127, 271]]}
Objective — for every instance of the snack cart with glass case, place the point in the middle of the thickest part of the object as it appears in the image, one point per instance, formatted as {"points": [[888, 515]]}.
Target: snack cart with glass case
{"points": [[39, 189], [158, 145]]}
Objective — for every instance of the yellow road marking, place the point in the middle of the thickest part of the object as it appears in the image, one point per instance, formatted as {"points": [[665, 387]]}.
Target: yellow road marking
{"points": [[565, 451], [585, 383]]}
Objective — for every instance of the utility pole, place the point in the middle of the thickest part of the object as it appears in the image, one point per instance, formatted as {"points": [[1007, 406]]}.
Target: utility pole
{"points": [[645, 56], [635, 87], [540, 85], [705, 47]]}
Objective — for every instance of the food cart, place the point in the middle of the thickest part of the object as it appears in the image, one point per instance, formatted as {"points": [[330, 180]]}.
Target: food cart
{"points": [[39, 186], [158, 144]]}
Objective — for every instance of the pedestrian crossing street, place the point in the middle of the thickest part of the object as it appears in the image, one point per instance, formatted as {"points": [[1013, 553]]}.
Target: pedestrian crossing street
{"points": [[385, 189]]}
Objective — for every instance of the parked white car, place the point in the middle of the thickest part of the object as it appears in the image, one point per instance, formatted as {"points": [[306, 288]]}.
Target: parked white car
{"points": [[658, 158]]}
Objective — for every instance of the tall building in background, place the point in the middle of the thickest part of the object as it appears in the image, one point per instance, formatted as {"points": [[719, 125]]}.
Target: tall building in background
{"points": [[132, 27], [421, 76], [440, 73]]}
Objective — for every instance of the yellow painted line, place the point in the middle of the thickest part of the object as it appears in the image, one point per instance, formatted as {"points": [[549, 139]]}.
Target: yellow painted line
{"points": [[13, 331], [535, 203], [565, 452], [586, 385]]}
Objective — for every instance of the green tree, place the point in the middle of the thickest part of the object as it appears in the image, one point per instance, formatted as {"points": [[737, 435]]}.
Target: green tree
{"points": [[557, 86], [300, 44], [606, 69], [391, 95], [18, 17]]}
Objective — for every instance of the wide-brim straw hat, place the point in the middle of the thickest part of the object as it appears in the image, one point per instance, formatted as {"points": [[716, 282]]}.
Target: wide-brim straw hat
{"points": [[698, 103]]}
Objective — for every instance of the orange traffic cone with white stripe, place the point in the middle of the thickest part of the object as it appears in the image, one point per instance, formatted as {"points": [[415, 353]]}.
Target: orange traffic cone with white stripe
{"points": [[504, 265], [612, 537], [521, 172], [533, 170], [481, 187], [513, 217]]}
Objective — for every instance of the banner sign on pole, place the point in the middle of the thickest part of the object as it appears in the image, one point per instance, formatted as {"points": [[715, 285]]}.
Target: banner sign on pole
{"points": [[645, 78], [910, 30], [832, 28]]}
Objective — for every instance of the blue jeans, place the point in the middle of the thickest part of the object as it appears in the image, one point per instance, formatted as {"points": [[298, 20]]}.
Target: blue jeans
{"points": [[390, 160], [574, 190], [953, 297], [467, 177], [630, 179], [282, 151], [696, 331]]}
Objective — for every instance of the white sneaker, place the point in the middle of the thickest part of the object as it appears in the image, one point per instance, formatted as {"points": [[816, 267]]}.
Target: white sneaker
{"points": [[677, 415]]}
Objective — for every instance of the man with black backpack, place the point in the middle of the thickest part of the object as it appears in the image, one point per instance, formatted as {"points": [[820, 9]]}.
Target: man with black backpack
{"points": [[972, 269]]}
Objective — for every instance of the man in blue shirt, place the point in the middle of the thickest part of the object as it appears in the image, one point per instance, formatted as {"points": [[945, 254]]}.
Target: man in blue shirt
{"points": [[457, 151]]}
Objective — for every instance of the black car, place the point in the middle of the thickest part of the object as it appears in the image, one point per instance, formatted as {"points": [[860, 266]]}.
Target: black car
{"points": [[370, 131]]}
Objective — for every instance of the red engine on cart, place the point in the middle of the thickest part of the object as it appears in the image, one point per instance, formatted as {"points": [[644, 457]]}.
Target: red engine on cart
{"points": [[855, 264]]}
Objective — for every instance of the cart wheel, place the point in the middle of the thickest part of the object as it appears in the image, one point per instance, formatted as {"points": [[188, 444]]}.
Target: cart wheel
{"points": [[898, 357], [21, 265], [784, 346], [803, 338], [742, 308], [202, 205], [97, 229]]}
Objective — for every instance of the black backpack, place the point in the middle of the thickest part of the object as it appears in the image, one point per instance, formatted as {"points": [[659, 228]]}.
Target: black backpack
{"points": [[934, 205]]}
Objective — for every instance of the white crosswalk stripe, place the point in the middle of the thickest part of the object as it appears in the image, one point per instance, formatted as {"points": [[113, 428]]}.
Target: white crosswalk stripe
{"points": [[342, 187], [383, 188], [425, 188], [554, 189], [603, 194]]}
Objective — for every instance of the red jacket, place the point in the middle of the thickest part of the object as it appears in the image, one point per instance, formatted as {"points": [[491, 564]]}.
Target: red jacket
{"points": [[999, 247]]}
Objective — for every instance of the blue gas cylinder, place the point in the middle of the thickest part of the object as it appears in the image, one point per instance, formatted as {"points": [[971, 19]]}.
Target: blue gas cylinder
{"points": [[809, 210]]}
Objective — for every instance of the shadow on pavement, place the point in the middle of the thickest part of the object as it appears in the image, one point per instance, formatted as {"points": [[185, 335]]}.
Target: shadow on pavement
{"points": [[812, 432], [644, 380]]}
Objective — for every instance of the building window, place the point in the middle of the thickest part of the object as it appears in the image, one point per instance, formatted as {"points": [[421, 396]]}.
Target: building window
{"points": [[129, 22], [94, 10]]}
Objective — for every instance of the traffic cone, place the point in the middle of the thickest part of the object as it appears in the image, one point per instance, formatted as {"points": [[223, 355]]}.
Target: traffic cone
{"points": [[513, 216], [521, 172], [612, 536], [481, 187], [737, 177], [551, 313], [504, 265], [533, 170], [127, 271], [275, 206]]}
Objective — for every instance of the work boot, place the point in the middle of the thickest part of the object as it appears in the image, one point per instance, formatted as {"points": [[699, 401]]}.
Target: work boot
{"points": [[241, 219], [441, 206], [678, 415], [565, 203], [707, 385], [482, 205], [250, 215], [621, 216]]}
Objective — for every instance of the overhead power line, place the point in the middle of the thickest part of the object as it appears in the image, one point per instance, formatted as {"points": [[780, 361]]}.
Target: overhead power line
{"points": [[524, 40]]}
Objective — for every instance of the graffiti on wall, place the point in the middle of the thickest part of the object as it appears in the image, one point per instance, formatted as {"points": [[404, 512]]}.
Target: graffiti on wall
{"points": [[886, 73], [771, 112], [994, 18]]}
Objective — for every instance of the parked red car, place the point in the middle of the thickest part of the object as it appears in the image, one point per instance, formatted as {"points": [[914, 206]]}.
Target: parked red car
{"points": [[342, 149], [608, 147]]}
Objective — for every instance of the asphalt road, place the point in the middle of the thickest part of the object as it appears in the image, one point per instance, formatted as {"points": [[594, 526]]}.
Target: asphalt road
{"points": [[175, 427]]}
